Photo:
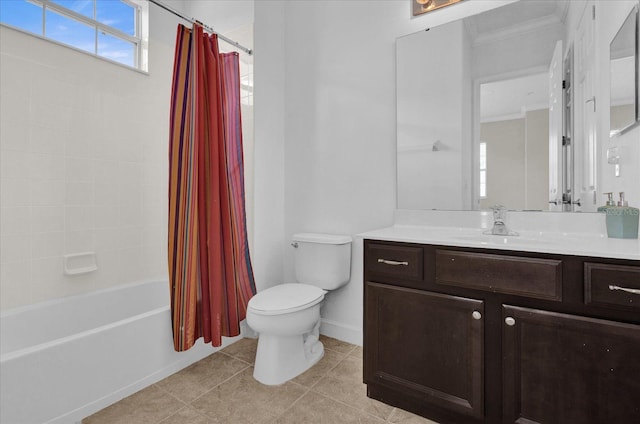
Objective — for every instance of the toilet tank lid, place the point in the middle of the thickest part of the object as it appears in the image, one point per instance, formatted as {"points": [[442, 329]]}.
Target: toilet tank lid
{"points": [[322, 238]]}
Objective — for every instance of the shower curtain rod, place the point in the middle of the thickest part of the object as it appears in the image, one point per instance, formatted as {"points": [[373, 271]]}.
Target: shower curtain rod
{"points": [[206, 27]]}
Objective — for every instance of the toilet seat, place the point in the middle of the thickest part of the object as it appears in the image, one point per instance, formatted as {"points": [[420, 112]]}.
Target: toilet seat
{"points": [[285, 298]]}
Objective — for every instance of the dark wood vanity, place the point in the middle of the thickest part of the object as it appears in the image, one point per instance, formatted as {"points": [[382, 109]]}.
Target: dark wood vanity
{"points": [[467, 335]]}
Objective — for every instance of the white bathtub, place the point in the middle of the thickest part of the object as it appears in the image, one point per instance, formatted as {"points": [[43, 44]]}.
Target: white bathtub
{"points": [[65, 359]]}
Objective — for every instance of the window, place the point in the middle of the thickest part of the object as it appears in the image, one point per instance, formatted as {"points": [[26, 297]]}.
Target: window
{"points": [[111, 29], [483, 170]]}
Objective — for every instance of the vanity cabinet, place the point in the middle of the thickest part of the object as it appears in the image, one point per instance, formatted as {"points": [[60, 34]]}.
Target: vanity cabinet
{"points": [[561, 368], [466, 335], [446, 374]]}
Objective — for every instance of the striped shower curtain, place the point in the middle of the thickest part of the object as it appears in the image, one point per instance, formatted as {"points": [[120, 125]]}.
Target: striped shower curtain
{"points": [[210, 274]]}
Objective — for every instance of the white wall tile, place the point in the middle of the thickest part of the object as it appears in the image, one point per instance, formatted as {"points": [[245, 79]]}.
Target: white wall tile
{"points": [[79, 193], [14, 136], [79, 169], [15, 220], [47, 192], [47, 219], [15, 192], [131, 266], [79, 241], [44, 245], [106, 216], [79, 218], [49, 140], [106, 239], [46, 167], [47, 276], [15, 284], [130, 237], [14, 248], [13, 164], [80, 143]]}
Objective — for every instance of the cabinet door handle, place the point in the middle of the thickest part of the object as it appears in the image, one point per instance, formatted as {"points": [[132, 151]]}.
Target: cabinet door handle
{"points": [[624, 289], [510, 321], [394, 263], [476, 315]]}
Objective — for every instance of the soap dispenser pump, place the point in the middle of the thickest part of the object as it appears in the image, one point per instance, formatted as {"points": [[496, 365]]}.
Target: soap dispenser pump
{"points": [[622, 220], [609, 202]]}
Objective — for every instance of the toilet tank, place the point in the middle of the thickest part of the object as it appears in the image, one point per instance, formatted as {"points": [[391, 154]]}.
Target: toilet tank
{"points": [[322, 260]]}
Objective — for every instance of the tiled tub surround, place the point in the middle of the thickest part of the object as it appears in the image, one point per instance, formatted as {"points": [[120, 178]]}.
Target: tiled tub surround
{"points": [[83, 146], [582, 234], [64, 359], [221, 389]]}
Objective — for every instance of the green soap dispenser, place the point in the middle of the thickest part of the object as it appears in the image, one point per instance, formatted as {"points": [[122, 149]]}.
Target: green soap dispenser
{"points": [[609, 202], [622, 220]]}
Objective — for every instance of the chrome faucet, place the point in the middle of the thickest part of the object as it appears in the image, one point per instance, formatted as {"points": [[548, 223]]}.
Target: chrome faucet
{"points": [[499, 222]]}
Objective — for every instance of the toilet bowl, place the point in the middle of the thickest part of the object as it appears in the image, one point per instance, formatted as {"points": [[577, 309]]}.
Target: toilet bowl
{"points": [[287, 316]]}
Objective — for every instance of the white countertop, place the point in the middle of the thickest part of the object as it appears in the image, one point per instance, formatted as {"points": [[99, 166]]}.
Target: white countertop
{"points": [[575, 243]]}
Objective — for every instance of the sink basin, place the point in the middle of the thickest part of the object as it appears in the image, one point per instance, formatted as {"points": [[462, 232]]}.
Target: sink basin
{"points": [[487, 239]]}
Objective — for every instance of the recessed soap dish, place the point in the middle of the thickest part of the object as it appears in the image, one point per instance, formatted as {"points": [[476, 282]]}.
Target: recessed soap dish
{"points": [[80, 263]]}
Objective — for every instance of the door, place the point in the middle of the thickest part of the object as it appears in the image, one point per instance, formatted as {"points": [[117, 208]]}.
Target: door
{"points": [[425, 345], [585, 140], [556, 173], [560, 369]]}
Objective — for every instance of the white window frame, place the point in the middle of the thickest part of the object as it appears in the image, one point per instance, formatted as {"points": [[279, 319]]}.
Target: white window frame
{"points": [[139, 40]]}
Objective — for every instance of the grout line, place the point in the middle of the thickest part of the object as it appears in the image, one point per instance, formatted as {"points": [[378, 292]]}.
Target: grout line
{"points": [[219, 384]]}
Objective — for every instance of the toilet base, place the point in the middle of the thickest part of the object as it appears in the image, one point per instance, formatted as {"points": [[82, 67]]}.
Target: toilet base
{"points": [[281, 358]]}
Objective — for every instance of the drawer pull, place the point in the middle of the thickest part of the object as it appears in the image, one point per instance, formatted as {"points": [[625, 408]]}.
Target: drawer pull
{"points": [[510, 321], [624, 289], [476, 315], [395, 263]]}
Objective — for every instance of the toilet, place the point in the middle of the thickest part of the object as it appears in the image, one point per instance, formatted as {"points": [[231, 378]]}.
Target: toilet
{"points": [[287, 316]]}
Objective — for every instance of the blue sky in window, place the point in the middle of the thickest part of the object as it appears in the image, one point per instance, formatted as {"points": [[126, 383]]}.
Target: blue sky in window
{"points": [[114, 13]]}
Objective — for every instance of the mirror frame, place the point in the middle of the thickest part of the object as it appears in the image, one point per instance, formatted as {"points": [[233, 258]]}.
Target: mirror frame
{"points": [[636, 14]]}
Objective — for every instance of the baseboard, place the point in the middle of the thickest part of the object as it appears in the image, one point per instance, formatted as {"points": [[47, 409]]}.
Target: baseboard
{"points": [[346, 333], [199, 351]]}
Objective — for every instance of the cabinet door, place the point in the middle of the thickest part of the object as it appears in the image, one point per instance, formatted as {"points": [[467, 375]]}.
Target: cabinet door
{"points": [[561, 369], [426, 345]]}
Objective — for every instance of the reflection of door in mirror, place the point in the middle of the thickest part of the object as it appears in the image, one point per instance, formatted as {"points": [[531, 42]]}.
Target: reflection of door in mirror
{"points": [[558, 196], [585, 148]]}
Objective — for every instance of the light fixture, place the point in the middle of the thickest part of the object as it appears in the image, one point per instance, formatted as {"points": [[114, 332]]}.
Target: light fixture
{"points": [[424, 6]]}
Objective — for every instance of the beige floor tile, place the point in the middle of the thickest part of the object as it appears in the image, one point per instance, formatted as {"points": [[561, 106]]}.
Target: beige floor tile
{"points": [[315, 408], [148, 406], [187, 415], [202, 376], [357, 352], [344, 383], [242, 399], [336, 345], [243, 349], [400, 416], [319, 370]]}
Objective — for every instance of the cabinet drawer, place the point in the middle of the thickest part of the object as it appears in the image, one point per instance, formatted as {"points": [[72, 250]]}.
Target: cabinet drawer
{"points": [[612, 285], [404, 262], [530, 277]]}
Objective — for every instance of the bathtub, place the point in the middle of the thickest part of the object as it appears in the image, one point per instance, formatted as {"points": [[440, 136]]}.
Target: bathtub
{"points": [[65, 359]]}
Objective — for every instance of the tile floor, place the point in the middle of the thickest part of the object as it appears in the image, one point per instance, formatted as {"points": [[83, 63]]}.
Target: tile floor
{"points": [[220, 389]]}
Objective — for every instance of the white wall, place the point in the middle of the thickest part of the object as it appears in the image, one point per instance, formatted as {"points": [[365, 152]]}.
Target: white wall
{"points": [[83, 165], [335, 125], [432, 88]]}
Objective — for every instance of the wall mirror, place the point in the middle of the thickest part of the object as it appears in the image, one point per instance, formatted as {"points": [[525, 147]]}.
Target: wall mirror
{"points": [[500, 108], [625, 77]]}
